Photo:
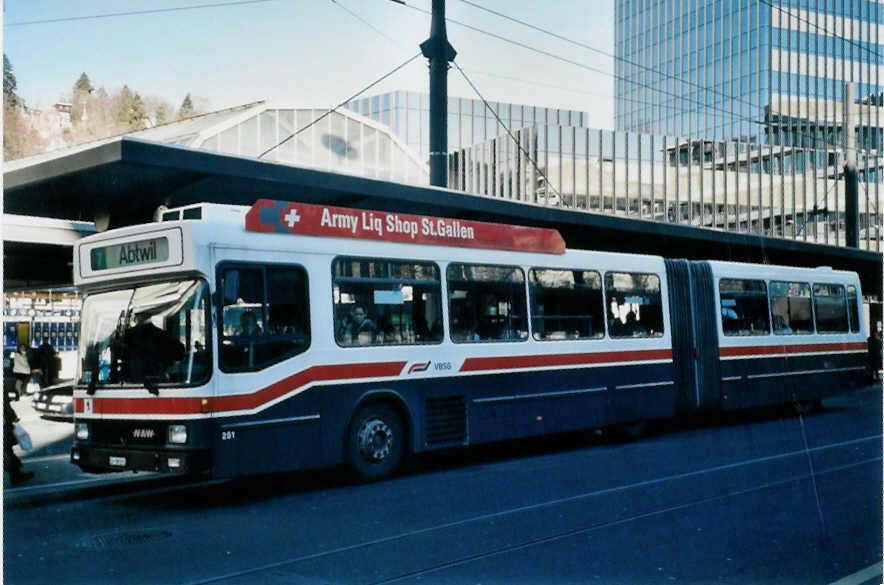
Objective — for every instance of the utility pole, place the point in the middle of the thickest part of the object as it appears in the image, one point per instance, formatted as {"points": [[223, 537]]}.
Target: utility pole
{"points": [[851, 176], [439, 52]]}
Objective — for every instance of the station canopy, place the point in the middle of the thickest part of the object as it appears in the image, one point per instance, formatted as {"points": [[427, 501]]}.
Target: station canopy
{"points": [[345, 159]]}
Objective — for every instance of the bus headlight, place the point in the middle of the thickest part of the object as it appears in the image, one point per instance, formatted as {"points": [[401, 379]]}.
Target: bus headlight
{"points": [[178, 434], [83, 431]]}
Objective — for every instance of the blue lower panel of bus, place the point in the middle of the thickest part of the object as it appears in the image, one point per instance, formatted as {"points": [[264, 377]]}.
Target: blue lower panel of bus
{"points": [[755, 382], [518, 405], [284, 437], [309, 429]]}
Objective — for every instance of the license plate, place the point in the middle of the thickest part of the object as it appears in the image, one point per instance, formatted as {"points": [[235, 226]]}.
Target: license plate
{"points": [[117, 461]]}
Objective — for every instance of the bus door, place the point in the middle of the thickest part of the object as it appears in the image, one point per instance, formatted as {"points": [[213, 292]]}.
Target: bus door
{"points": [[692, 311]]}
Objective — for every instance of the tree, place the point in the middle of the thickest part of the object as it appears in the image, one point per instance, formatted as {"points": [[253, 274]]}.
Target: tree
{"points": [[131, 114], [186, 109], [20, 137], [83, 84], [82, 97], [10, 84]]}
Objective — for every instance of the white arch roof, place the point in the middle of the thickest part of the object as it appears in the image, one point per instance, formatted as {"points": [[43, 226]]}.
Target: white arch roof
{"points": [[342, 141]]}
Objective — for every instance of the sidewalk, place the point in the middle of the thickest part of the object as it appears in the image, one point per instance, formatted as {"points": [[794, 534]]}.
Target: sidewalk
{"points": [[55, 476]]}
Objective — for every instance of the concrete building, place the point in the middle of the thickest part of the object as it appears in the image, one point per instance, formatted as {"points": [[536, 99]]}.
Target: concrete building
{"points": [[470, 121]]}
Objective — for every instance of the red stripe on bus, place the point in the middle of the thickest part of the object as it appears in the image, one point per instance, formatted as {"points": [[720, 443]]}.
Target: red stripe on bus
{"points": [[183, 406], [798, 348], [568, 359]]}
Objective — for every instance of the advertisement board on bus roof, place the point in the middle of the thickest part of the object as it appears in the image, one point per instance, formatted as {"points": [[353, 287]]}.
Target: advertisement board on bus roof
{"points": [[286, 217]]}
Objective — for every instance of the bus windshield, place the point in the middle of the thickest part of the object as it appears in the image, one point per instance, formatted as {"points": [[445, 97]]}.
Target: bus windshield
{"points": [[147, 335]]}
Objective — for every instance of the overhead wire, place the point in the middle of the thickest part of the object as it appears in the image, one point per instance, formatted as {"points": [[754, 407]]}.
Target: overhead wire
{"points": [[787, 10], [335, 108], [701, 106], [626, 61], [669, 107], [515, 140], [136, 12], [475, 89], [365, 22], [608, 54], [813, 138]]}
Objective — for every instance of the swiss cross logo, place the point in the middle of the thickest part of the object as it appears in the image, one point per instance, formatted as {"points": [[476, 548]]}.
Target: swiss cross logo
{"points": [[292, 217]]}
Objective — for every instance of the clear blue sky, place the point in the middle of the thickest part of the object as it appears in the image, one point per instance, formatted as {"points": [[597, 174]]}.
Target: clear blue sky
{"points": [[306, 52]]}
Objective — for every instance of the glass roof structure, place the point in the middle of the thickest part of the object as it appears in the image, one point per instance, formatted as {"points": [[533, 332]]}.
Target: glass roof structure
{"points": [[341, 141]]}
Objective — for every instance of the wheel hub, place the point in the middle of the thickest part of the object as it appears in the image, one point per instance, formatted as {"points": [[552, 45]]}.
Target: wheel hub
{"points": [[375, 440]]}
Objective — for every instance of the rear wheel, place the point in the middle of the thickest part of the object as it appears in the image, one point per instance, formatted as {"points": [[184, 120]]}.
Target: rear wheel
{"points": [[375, 442]]}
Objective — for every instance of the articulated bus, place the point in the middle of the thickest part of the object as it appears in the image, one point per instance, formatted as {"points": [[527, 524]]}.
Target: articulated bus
{"points": [[228, 341]]}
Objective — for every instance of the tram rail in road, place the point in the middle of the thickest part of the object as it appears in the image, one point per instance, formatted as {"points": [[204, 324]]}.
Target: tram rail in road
{"points": [[577, 495]]}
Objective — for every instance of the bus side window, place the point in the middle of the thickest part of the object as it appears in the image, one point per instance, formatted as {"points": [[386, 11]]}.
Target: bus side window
{"points": [[830, 304], [264, 316], [242, 301], [288, 313], [744, 309], [566, 304], [790, 308], [379, 301], [487, 303], [635, 308], [853, 308]]}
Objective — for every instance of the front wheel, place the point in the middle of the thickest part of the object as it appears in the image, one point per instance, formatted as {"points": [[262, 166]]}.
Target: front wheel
{"points": [[375, 442]]}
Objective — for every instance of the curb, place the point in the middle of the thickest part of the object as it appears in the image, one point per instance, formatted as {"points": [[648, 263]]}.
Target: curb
{"points": [[91, 487]]}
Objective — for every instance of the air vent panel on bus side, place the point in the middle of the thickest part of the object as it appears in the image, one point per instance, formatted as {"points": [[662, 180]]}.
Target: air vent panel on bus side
{"points": [[446, 422]]}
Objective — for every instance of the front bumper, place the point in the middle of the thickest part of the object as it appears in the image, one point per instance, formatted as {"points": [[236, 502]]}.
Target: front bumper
{"points": [[98, 459]]}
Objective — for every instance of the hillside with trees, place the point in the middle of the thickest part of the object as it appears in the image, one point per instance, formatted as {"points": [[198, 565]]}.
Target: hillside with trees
{"points": [[20, 135], [84, 114]]}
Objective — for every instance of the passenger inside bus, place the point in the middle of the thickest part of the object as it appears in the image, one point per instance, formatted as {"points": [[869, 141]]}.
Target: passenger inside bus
{"points": [[780, 326], [359, 330], [149, 350], [249, 325], [463, 323]]}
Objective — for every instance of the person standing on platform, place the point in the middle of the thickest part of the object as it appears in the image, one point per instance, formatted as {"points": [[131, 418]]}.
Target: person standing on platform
{"points": [[21, 370], [46, 356], [11, 463]]}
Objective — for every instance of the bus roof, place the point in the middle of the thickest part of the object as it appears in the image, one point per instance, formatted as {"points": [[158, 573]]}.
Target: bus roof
{"points": [[270, 216]]}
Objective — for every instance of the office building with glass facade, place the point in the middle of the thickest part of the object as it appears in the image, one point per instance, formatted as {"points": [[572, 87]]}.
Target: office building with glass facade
{"points": [[750, 70], [747, 98], [470, 122]]}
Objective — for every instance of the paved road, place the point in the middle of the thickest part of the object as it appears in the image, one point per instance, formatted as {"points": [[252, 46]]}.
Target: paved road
{"points": [[751, 499]]}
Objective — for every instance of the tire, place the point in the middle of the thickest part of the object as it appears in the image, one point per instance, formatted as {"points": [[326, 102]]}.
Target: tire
{"points": [[376, 442]]}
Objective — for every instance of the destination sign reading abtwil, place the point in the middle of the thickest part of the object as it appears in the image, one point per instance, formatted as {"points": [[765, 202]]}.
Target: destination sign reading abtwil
{"points": [[267, 215], [130, 254]]}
